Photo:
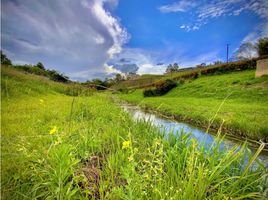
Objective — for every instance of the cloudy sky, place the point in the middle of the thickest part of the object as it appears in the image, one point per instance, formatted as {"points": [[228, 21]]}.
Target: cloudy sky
{"points": [[86, 39]]}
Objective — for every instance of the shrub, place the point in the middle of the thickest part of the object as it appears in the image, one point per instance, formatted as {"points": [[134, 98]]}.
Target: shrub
{"points": [[160, 89], [38, 70], [4, 59]]}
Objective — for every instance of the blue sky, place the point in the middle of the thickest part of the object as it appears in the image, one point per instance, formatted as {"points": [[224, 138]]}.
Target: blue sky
{"points": [[86, 39]]}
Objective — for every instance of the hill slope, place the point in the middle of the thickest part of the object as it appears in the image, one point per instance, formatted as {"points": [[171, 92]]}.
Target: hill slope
{"points": [[244, 99], [148, 80], [15, 83]]}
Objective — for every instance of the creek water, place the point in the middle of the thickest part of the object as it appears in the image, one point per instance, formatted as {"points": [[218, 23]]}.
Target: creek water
{"points": [[169, 125]]}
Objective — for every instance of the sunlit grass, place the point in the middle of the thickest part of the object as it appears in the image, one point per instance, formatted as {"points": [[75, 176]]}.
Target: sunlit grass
{"points": [[244, 111], [56, 146]]}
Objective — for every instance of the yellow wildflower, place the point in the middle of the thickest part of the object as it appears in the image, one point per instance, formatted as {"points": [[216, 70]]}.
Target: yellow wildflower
{"points": [[126, 144], [41, 100], [53, 130]]}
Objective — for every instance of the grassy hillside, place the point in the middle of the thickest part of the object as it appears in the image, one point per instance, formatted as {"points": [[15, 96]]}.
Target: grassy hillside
{"points": [[58, 146], [237, 98], [15, 83], [152, 80]]}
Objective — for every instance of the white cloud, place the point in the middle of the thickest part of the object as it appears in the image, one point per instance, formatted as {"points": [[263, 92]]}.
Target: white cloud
{"points": [[181, 6], [74, 37], [189, 27], [204, 11], [148, 68], [111, 70]]}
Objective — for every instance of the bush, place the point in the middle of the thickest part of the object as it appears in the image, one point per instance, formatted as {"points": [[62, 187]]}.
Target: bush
{"points": [[160, 89], [38, 70], [4, 59], [229, 67]]}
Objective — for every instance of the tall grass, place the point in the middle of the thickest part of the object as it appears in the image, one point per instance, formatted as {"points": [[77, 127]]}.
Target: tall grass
{"points": [[60, 165], [56, 146], [197, 101]]}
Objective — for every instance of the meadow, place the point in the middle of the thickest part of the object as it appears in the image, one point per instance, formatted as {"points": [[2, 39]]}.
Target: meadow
{"points": [[237, 99], [62, 141]]}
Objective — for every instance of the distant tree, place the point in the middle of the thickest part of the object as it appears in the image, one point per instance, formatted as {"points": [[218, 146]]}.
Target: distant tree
{"points": [[56, 76], [118, 78], [217, 62], [40, 66], [246, 50], [262, 46], [172, 68], [131, 75], [201, 65], [98, 83], [5, 60]]}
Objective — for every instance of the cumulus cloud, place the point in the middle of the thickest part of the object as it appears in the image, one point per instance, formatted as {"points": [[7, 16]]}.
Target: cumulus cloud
{"points": [[149, 68], [74, 37]]}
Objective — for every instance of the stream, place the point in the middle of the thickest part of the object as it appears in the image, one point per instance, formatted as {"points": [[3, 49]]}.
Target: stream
{"points": [[169, 125]]}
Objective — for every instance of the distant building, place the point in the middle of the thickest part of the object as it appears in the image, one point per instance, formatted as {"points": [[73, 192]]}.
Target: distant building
{"points": [[262, 67]]}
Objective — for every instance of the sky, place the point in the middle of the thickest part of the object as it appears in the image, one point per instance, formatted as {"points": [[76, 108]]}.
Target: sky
{"points": [[86, 39]]}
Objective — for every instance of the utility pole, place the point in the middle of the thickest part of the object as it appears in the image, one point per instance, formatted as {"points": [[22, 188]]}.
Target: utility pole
{"points": [[227, 52]]}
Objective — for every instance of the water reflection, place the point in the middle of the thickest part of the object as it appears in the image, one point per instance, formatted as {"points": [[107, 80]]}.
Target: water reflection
{"points": [[169, 125]]}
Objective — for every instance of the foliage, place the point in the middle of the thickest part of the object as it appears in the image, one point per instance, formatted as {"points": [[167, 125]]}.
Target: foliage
{"points": [[118, 78], [230, 67], [4, 59], [217, 62], [39, 69], [172, 68], [262, 46], [40, 66], [56, 76], [160, 89], [98, 84]]}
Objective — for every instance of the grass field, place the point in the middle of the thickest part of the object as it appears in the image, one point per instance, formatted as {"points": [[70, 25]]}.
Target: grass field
{"points": [[236, 98], [59, 146]]}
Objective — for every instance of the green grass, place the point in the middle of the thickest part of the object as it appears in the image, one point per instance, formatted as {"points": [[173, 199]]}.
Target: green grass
{"points": [[57, 146], [149, 80], [33, 85], [244, 109]]}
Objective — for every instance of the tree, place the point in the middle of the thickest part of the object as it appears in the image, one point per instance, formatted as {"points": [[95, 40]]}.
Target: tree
{"points": [[218, 62], [118, 78], [246, 50], [172, 68], [262, 46], [5, 60], [40, 66], [56, 76], [201, 65]]}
